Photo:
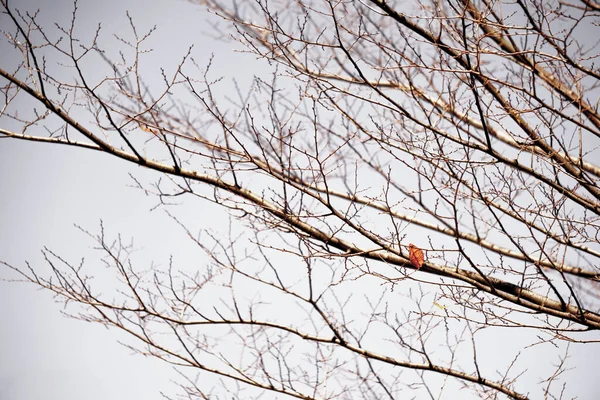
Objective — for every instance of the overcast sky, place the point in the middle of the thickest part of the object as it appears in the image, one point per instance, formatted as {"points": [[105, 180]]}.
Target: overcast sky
{"points": [[45, 190]]}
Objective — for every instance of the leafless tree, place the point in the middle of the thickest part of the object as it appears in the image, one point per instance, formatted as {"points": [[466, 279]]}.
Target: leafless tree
{"points": [[469, 129]]}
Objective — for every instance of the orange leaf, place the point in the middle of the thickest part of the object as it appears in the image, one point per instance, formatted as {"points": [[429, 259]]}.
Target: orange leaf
{"points": [[415, 255]]}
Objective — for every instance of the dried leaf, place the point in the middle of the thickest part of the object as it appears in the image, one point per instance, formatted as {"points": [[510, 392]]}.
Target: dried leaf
{"points": [[146, 128], [415, 255]]}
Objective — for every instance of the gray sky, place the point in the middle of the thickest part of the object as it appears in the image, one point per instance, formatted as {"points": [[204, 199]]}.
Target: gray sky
{"points": [[46, 190]]}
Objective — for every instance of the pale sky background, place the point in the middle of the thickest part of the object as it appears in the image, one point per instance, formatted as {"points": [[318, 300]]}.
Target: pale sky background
{"points": [[45, 190]]}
